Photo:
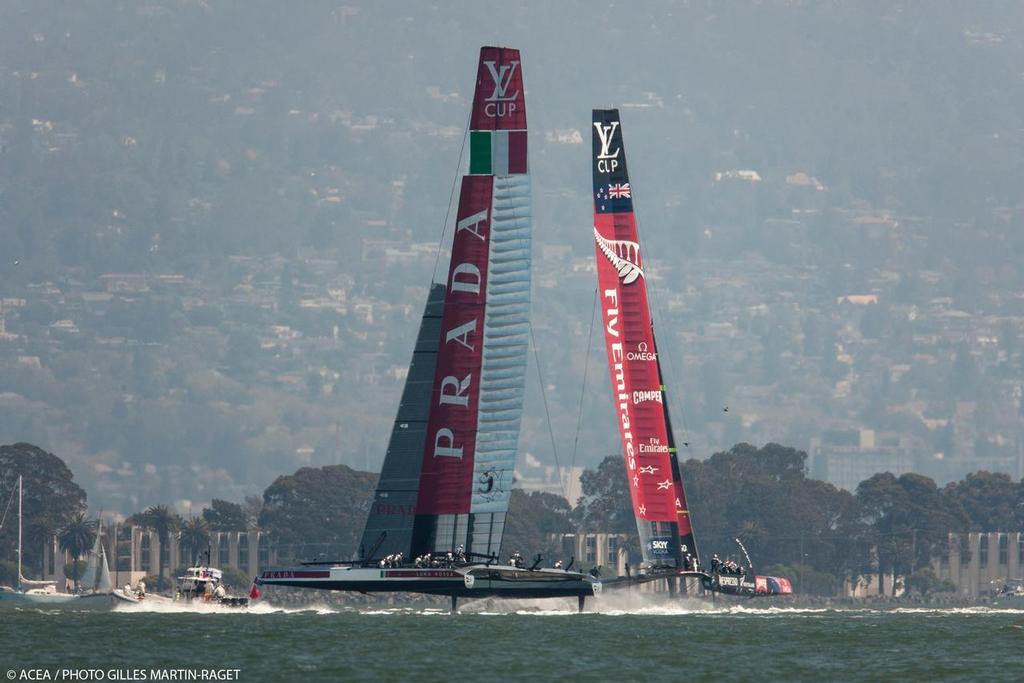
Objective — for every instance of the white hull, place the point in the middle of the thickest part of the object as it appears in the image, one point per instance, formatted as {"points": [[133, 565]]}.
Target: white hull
{"points": [[17, 599]]}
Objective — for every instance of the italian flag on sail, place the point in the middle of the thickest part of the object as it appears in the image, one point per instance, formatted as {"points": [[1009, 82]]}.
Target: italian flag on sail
{"points": [[497, 152]]}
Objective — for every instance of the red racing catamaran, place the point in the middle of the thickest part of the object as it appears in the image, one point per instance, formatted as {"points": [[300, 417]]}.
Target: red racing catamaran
{"points": [[667, 541]]}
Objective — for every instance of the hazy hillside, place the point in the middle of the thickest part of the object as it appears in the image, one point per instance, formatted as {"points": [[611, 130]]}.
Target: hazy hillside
{"points": [[218, 222]]}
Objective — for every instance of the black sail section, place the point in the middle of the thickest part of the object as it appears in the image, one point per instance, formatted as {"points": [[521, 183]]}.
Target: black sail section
{"points": [[389, 527]]}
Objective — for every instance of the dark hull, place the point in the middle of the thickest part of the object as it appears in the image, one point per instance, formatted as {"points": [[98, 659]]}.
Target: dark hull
{"points": [[747, 586], [226, 601], [477, 581]]}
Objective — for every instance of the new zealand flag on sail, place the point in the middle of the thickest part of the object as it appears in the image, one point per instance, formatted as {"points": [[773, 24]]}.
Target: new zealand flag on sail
{"points": [[612, 193]]}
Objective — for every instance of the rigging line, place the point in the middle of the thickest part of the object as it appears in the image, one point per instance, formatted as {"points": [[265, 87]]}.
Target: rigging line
{"points": [[451, 197], [547, 414], [6, 510], [583, 389]]}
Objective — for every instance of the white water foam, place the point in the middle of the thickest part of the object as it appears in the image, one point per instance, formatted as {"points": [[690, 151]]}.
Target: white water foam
{"points": [[610, 605], [640, 604], [977, 609], [166, 606]]}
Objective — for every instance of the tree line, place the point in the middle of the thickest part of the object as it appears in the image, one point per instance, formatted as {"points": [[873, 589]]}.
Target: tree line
{"points": [[809, 530], [793, 525], [803, 528]]}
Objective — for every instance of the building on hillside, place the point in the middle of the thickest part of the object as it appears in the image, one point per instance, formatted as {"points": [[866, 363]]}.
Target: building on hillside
{"points": [[846, 464]]}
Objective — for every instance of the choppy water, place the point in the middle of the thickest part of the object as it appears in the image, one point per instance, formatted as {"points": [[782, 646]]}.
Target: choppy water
{"points": [[535, 641]]}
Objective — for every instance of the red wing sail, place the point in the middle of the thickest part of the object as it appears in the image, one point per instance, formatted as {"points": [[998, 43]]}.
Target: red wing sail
{"points": [[654, 483], [472, 433], [445, 480], [499, 101]]}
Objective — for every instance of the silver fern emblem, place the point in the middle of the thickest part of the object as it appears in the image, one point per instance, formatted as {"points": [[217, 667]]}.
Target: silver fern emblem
{"points": [[623, 255]]}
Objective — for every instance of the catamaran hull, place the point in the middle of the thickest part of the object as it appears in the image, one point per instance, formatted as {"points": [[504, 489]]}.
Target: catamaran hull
{"points": [[721, 584], [746, 586], [464, 582]]}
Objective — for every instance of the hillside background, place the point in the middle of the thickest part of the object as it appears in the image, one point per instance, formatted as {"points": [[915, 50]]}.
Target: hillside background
{"points": [[218, 222]]}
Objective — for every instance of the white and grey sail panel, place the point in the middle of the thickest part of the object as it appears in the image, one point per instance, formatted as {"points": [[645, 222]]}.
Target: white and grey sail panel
{"points": [[505, 349], [91, 573]]}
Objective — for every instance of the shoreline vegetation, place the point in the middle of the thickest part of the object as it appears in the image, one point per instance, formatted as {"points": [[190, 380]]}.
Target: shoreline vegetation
{"points": [[795, 526]]}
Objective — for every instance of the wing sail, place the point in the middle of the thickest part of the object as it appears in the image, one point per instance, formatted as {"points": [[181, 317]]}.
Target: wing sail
{"points": [[475, 411], [648, 447]]}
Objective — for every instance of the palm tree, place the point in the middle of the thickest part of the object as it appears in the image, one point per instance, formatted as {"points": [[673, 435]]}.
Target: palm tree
{"points": [[39, 533], [77, 537], [164, 522], [195, 535]]}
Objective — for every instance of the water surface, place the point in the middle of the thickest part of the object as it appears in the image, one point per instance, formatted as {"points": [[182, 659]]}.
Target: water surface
{"points": [[500, 641]]}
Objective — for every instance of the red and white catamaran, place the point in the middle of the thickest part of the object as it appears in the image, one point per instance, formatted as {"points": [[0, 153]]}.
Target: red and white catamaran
{"points": [[445, 484], [667, 542]]}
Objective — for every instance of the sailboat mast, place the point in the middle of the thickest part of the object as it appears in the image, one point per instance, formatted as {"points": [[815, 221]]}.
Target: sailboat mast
{"points": [[99, 552], [19, 532]]}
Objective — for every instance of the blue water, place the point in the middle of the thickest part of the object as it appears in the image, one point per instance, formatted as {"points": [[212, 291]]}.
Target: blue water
{"points": [[498, 641]]}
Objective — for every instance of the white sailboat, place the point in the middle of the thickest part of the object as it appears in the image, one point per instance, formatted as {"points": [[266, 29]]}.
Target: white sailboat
{"points": [[97, 587], [29, 591]]}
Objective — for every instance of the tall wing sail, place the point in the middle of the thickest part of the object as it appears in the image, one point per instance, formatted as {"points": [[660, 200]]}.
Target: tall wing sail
{"points": [[654, 482], [390, 522], [477, 394]]}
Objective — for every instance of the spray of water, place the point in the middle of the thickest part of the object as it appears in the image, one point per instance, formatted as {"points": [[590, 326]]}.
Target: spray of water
{"points": [[180, 607], [615, 604]]}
